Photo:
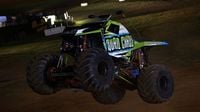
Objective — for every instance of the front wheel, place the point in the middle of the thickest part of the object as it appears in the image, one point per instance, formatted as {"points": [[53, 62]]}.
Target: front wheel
{"points": [[95, 69], [155, 84]]}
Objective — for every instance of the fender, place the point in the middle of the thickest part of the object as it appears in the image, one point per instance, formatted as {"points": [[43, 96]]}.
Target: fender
{"points": [[138, 45], [81, 32]]}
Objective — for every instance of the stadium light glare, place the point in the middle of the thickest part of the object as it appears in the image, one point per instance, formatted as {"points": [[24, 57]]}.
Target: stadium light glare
{"points": [[51, 17], [85, 4], [3, 18], [121, 0]]}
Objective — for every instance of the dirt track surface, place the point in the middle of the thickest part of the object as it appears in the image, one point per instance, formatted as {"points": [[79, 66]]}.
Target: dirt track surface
{"points": [[182, 57]]}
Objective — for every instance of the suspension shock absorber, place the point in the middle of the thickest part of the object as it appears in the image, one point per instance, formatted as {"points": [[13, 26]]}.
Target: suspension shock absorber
{"points": [[138, 59], [141, 59], [138, 62], [85, 43]]}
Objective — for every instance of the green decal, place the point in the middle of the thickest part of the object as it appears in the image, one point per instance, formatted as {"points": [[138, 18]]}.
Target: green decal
{"points": [[126, 41], [113, 44], [116, 43]]}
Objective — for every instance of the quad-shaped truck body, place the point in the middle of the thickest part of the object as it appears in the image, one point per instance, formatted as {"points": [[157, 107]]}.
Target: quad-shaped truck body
{"points": [[102, 57]]}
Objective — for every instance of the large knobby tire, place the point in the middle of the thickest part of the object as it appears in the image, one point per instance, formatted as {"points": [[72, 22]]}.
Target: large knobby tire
{"points": [[95, 69], [155, 84], [111, 95], [38, 72]]}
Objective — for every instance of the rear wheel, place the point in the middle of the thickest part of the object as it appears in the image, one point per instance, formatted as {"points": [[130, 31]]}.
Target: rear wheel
{"points": [[95, 69], [155, 84], [39, 74], [111, 95]]}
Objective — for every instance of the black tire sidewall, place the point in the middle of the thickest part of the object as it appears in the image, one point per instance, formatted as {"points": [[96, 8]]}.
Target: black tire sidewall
{"points": [[110, 68], [87, 67], [165, 93], [37, 74], [149, 84], [111, 95]]}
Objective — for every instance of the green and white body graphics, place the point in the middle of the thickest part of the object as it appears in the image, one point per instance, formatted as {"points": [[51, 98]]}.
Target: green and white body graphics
{"points": [[118, 40]]}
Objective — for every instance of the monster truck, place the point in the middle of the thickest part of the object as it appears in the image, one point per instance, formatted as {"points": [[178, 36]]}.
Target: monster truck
{"points": [[100, 56]]}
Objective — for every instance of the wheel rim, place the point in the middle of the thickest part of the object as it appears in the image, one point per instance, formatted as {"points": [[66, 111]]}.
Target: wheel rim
{"points": [[102, 68], [163, 83], [51, 70]]}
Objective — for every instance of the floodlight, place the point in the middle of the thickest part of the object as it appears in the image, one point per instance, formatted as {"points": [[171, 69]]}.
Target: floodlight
{"points": [[84, 4]]}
